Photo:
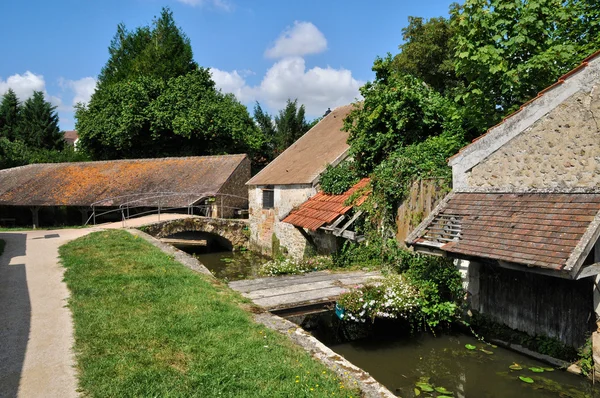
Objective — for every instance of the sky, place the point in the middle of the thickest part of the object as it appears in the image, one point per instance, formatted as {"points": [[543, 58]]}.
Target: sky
{"points": [[319, 52]]}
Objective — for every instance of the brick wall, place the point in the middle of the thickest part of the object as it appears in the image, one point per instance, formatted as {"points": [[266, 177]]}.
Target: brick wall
{"points": [[559, 151]]}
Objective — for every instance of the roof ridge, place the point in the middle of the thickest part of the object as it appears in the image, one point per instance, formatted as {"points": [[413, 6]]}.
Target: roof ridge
{"points": [[559, 82], [86, 162], [306, 136]]}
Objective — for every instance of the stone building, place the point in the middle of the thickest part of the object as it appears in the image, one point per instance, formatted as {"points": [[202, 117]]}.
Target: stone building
{"points": [[48, 193], [290, 180], [523, 218]]}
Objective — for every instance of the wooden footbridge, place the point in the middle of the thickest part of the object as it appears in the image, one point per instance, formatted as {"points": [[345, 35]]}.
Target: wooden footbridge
{"points": [[301, 294]]}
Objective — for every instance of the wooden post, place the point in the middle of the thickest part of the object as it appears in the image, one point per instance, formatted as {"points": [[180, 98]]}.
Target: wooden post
{"points": [[35, 216], [84, 215]]}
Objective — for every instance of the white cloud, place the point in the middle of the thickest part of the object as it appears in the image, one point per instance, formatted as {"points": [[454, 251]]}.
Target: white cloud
{"points": [[82, 89], [232, 82], [317, 88], [221, 4], [301, 39], [23, 85]]}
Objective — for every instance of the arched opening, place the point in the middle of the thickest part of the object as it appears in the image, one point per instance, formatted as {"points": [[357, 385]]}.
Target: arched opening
{"points": [[198, 242]]}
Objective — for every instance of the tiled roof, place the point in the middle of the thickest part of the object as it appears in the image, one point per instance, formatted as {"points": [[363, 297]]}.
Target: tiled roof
{"points": [[71, 136], [535, 229], [307, 158], [560, 81], [323, 209], [83, 183]]}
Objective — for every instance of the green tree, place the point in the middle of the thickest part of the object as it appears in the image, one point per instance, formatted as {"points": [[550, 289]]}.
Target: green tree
{"points": [[147, 117], [116, 122], [153, 100], [398, 110], [428, 53], [267, 127], [10, 110], [290, 124], [38, 124], [160, 51], [507, 51]]}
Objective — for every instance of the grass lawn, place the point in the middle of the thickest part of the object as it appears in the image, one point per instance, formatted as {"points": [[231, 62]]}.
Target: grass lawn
{"points": [[2, 244], [146, 326]]}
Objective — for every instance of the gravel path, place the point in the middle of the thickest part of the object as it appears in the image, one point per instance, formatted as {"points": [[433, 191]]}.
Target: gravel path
{"points": [[36, 328]]}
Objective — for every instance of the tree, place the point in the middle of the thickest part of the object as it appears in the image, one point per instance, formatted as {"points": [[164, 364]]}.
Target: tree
{"points": [[38, 124], [10, 110], [508, 51], [268, 130], [160, 51], [397, 111], [147, 117], [290, 124], [153, 100], [427, 53]]}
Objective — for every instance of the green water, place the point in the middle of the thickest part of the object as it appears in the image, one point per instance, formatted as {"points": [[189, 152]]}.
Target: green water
{"points": [[232, 266], [443, 361]]}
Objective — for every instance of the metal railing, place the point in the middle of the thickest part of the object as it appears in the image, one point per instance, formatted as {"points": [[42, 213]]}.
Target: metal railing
{"points": [[205, 204]]}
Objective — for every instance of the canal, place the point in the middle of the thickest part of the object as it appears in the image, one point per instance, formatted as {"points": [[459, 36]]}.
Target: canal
{"points": [[423, 365], [454, 364]]}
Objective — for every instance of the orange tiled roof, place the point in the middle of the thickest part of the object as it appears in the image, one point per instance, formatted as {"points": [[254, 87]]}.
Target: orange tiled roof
{"points": [[535, 229], [323, 209], [560, 81], [83, 183]]}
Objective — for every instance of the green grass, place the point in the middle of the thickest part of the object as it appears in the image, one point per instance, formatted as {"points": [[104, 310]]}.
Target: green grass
{"points": [[146, 326], [2, 245], [27, 229]]}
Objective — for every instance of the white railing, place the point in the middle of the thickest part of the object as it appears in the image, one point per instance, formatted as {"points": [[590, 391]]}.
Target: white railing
{"points": [[205, 203]]}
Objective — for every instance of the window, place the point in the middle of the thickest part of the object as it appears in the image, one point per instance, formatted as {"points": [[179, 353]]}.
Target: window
{"points": [[268, 197]]}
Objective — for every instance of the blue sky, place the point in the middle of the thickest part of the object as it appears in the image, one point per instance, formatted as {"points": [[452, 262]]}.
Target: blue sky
{"points": [[317, 51]]}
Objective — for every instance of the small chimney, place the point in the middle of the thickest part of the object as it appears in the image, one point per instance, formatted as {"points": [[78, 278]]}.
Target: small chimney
{"points": [[327, 112]]}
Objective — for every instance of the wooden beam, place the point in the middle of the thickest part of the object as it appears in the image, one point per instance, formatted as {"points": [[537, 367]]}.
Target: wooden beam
{"points": [[534, 270], [338, 232], [307, 236], [588, 270], [334, 225]]}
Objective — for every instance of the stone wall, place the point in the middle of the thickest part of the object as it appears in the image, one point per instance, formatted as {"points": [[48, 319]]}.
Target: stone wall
{"points": [[267, 232], [559, 151], [236, 187]]}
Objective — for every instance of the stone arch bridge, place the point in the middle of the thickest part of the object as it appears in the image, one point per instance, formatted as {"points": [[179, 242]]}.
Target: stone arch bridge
{"points": [[233, 231]]}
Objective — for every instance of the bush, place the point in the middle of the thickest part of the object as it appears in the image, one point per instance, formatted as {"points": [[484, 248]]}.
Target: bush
{"points": [[287, 266], [337, 180], [394, 298], [427, 288]]}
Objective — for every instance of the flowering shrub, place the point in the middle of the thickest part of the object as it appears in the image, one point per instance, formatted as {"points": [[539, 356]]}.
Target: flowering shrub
{"points": [[394, 298], [288, 266]]}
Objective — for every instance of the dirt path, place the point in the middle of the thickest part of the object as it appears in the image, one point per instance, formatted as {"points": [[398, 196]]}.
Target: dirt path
{"points": [[36, 328]]}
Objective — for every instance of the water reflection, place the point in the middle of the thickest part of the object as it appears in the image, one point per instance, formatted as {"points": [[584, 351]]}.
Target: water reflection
{"points": [[443, 362]]}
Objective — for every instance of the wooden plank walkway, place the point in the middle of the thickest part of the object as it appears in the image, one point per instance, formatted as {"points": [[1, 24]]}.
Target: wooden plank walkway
{"points": [[306, 293]]}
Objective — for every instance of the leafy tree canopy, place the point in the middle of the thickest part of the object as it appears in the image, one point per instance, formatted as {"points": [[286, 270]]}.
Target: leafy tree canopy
{"points": [[160, 51], [508, 51], [284, 129], [428, 53], [148, 117], [398, 110]]}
